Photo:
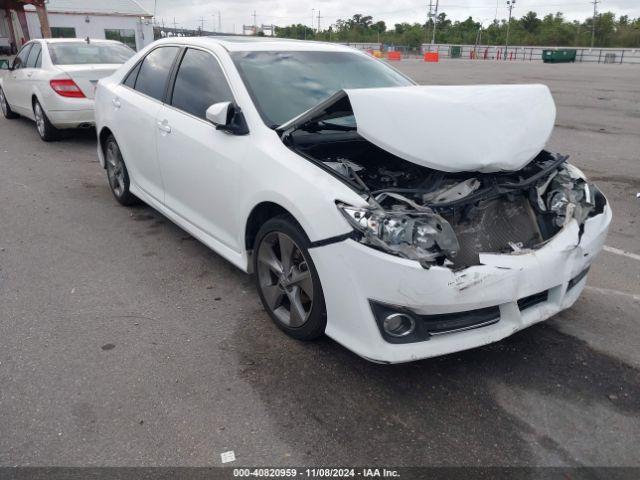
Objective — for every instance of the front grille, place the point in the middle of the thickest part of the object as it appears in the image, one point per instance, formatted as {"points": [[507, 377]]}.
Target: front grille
{"points": [[532, 300], [491, 226], [455, 322]]}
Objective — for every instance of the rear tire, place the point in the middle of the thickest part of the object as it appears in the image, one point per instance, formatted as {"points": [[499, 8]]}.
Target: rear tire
{"points": [[6, 109], [287, 280], [117, 173], [47, 132]]}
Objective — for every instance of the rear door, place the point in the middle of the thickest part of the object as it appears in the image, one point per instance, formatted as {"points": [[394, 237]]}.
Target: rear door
{"points": [[31, 74], [200, 165], [137, 103], [14, 88]]}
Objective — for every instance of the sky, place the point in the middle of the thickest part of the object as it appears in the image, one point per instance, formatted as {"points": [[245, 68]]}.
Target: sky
{"points": [[235, 13]]}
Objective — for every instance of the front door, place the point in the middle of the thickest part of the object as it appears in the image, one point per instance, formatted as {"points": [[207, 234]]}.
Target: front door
{"points": [[200, 165]]}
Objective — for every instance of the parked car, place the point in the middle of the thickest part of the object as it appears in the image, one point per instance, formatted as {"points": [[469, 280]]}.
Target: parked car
{"points": [[53, 81], [397, 219]]}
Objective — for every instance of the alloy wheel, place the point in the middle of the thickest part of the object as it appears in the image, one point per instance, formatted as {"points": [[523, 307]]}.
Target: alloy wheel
{"points": [[115, 170], [40, 120], [3, 102], [285, 279]]}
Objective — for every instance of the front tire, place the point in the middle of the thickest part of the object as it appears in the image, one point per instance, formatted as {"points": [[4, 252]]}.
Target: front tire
{"points": [[117, 173], [6, 109], [287, 280], [47, 132]]}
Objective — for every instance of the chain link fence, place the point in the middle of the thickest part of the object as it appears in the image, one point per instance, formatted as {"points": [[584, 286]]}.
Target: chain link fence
{"points": [[533, 53]]}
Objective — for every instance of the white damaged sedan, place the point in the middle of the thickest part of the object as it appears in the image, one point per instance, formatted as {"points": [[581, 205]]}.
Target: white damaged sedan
{"points": [[397, 219]]}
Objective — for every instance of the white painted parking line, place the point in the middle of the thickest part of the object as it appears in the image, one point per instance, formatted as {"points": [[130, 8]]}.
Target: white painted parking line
{"points": [[609, 291], [617, 251]]}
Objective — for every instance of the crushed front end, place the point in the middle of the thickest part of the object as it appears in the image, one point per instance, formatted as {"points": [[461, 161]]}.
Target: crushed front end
{"points": [[442, 261]]}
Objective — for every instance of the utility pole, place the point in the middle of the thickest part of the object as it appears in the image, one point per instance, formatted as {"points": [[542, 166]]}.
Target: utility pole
{"points": [[510, 5], [313, 14], [429, 16], [201, 25], [593, 22], [219, 21], [435, 22], [319, 17], [255, 24]]}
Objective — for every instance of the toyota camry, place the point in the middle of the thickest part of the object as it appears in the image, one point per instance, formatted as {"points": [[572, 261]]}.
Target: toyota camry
{"points": [[399, 220]]}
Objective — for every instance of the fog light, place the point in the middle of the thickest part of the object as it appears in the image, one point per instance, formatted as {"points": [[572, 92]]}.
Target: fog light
{"points": [[399, 324]]}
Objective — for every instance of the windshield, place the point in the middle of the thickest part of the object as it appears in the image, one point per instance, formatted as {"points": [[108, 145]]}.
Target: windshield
{"points": [[285, 84], [76, 53]]}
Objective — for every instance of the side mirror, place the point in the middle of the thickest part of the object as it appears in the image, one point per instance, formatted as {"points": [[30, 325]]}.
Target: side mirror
{"points": [[228, 117], [4, 64], [219, 113]]}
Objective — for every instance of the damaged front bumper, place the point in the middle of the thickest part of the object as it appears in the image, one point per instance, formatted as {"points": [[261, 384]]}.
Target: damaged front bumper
{"points": [[524, 288]]}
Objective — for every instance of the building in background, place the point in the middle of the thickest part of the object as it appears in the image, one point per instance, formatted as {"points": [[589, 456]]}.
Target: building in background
{"points": [[122, 20], [5, 34]]}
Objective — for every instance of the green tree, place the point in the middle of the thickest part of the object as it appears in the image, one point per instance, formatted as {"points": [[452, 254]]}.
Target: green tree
{"points": [[552, 30]]}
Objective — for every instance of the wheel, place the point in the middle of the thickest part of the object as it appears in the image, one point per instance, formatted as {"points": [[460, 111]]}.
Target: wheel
{"points": [[117, 173], [287, 280], [47, 132], [6, 109]]}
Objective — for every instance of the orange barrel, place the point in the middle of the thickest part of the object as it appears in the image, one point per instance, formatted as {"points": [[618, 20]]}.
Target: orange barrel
{"points": [[431, 57], [394, 56]]}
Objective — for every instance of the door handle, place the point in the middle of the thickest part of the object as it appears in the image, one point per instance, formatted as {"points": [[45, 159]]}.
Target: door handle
{"points": [[29, 75], [116, 103], [164, 126]]}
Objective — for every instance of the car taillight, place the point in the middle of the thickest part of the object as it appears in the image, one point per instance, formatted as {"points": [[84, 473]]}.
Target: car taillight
{"points": [[66, 88]]}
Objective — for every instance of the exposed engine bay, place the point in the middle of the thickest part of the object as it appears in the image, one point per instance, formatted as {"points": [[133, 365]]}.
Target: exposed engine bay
{"points": [[440, 218]]}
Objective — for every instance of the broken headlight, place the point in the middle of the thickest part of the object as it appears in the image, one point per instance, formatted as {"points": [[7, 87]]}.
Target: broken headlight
{"points": [[421, 236], [569, 195]]}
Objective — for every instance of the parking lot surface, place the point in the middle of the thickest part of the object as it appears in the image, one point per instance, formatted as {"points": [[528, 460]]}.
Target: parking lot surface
{"points": [[125, 342]]}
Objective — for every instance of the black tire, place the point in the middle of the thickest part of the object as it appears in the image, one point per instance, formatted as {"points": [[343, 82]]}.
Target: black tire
{"points": [[117, 173], [47, 132], [315, 321], [6, 109]]}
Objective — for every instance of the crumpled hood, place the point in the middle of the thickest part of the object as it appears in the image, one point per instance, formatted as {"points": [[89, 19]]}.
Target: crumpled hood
{"points": [[485, 128], [482, 128]]}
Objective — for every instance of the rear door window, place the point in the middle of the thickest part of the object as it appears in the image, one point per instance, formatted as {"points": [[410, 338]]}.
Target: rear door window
{"points": [[34, 55], [200, 83], [154, 72], [130, 80]]}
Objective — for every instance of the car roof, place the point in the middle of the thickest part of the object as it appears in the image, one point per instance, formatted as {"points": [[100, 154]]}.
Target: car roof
{"points": [[246, 43]]}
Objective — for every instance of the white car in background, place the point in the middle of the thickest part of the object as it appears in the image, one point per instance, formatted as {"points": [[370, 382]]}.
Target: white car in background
{"points": [[53, 81], [397, 219]]}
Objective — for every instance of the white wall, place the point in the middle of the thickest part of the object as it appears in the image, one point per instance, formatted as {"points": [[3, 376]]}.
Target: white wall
{"points": [[96, 26]]}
